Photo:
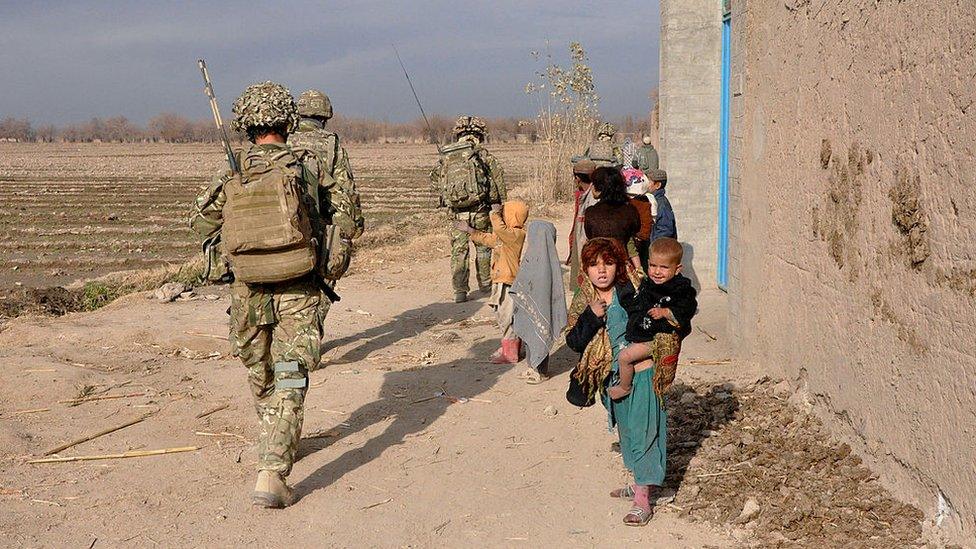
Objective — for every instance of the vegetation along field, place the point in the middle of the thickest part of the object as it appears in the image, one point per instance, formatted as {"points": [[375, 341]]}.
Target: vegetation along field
{"points": [[74, 211]]}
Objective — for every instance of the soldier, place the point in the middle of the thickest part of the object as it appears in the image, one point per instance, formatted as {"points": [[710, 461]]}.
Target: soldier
{"points": [[603, 151], [315, 110], [645, 158], [275, 327], [468, 180]]}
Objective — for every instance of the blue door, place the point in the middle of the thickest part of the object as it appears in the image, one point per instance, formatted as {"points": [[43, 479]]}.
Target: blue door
{"points": [[723, 165]]}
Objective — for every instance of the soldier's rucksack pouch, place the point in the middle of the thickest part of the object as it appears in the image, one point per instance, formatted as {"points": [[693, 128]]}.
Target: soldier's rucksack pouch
{"points": [[464, 184], [601, 152], [267, 231]]}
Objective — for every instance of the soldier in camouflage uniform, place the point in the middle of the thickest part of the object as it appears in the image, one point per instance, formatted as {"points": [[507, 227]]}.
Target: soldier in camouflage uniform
{"points": [[275, 328], [645, 158], [605, 147], [473, 129], [315, 110]]}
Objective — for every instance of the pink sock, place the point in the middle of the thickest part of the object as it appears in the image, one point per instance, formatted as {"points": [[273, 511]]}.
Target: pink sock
{"points": [[642, 496]]}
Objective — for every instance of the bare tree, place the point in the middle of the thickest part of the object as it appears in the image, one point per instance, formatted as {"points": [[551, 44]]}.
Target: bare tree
{"points": [[17, 129]]}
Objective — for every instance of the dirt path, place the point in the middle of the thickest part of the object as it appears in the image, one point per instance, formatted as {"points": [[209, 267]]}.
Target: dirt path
{"points": [[385, 462], [388, 464]]}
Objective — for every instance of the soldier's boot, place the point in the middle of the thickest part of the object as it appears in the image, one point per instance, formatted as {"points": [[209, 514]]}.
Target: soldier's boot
{"points": [[460, 297], [271, 491]]}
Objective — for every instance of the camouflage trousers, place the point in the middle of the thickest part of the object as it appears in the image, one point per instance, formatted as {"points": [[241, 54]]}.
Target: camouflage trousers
{"points": [[460, 249], [275, 331]]}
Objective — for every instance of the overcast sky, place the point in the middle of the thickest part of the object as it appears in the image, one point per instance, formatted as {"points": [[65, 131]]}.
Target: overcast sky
{"points": [[69, 61]]}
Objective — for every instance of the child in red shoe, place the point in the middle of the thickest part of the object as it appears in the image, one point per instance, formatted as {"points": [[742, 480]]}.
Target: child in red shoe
{"points": [[506, 241]]}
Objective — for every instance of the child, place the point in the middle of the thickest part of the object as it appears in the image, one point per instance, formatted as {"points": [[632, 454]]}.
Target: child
{"points": [[658, 316], [637, 186], [663, 216], [506, 240], [540, 300]]}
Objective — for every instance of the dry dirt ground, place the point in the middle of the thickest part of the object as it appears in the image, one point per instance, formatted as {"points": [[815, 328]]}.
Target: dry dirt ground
{"points": [[386, 461]]}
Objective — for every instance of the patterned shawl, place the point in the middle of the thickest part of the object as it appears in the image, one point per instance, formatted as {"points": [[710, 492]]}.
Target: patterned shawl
{"points": [[596, 361]]}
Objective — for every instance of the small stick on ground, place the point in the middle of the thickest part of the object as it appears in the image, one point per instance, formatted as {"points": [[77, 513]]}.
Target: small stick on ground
{"points": [[132, 454], [201, 334], [708, 335], [719, 474], [96, 435], [213, 410], [77, 401], [384, 502], [31, 411], [700, 362], [220, 434]]}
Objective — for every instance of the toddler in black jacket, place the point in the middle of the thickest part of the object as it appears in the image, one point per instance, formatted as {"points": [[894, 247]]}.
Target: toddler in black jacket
{"points": [[658, 314]]}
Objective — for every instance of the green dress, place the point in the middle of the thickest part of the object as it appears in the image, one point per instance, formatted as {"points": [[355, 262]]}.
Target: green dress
{"points": [[641, 421]]}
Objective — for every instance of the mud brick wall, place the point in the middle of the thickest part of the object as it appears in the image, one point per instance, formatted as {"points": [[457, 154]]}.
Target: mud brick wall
{"points": [[690, 104], [854, 227]]}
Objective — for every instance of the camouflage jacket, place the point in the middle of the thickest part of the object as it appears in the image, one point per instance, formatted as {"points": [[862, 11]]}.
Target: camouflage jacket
{"points": [[315, 137], [206, 216], [617, 157], [645, 158], [491, 169]]}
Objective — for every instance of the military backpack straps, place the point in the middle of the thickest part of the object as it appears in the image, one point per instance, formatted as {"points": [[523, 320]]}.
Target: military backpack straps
{"points": [[465, 184], [601, 152], [267, 230], [323, 142]]}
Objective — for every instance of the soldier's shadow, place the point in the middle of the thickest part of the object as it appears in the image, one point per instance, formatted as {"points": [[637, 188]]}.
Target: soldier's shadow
{"points": [[408, 396], [439, 317]]}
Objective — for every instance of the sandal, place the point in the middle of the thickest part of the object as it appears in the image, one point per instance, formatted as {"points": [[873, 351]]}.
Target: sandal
{"points": [[627, 492], [532, 377], [638, 516]]}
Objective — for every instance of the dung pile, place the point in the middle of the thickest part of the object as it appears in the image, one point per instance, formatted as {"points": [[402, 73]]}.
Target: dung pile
{"points": [[746, 457]]}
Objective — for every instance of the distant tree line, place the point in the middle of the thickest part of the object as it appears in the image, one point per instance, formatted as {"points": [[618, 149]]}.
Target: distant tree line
{"points": [[174, 128]]}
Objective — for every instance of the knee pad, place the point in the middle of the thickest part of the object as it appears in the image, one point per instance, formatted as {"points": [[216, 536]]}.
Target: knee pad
{"points": [[290, 375]]}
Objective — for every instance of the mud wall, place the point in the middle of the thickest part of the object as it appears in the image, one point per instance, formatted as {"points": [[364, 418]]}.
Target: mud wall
{"points": [[854, 227]]}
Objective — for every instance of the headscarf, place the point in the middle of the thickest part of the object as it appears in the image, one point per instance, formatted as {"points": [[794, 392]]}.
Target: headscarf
{"points": [[538, 294]]}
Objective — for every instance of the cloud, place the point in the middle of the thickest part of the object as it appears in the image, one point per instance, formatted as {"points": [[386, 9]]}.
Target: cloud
{"points": [[69, 61]]}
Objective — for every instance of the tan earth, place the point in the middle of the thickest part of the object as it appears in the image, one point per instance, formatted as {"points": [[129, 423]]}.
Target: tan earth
{"points": [[384, 461], [411, 437]]}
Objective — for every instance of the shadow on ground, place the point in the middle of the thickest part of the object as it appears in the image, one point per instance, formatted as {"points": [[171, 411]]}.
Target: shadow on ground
{"points": [[406, 395], [693, 416]]}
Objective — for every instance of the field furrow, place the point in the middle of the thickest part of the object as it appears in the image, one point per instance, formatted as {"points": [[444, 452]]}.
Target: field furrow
{"points": [[70, 211]]}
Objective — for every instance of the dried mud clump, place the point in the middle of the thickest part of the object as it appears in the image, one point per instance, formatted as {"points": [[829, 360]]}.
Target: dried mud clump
{"points": [[745, 456], [45, 301], [824, 154], [838, 225], [909, 218]]}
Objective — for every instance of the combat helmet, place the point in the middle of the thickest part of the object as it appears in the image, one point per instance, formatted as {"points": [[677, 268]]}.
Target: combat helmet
{"points": [[606, 129], [266, 105], [314, 104], [466, 125]]}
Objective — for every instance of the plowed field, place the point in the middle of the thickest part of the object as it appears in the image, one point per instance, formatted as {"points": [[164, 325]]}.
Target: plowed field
{"points": [[72, 211]]}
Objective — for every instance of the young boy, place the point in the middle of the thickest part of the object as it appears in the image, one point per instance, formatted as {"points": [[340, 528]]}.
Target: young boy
{"points": [[506, 240], [663, 216], [658, 314]]}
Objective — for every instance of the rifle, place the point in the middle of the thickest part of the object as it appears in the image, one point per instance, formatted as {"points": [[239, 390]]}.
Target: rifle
{"points": [[208, 89]]}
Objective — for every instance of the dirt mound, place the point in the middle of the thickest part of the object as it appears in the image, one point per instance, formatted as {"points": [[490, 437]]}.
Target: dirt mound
{"points": [[747, 456], [46, 301]]}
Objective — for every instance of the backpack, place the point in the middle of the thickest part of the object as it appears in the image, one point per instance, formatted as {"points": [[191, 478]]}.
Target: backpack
{"points": [[324, 143], [601, 152], [464, 186], [267, 230]]}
